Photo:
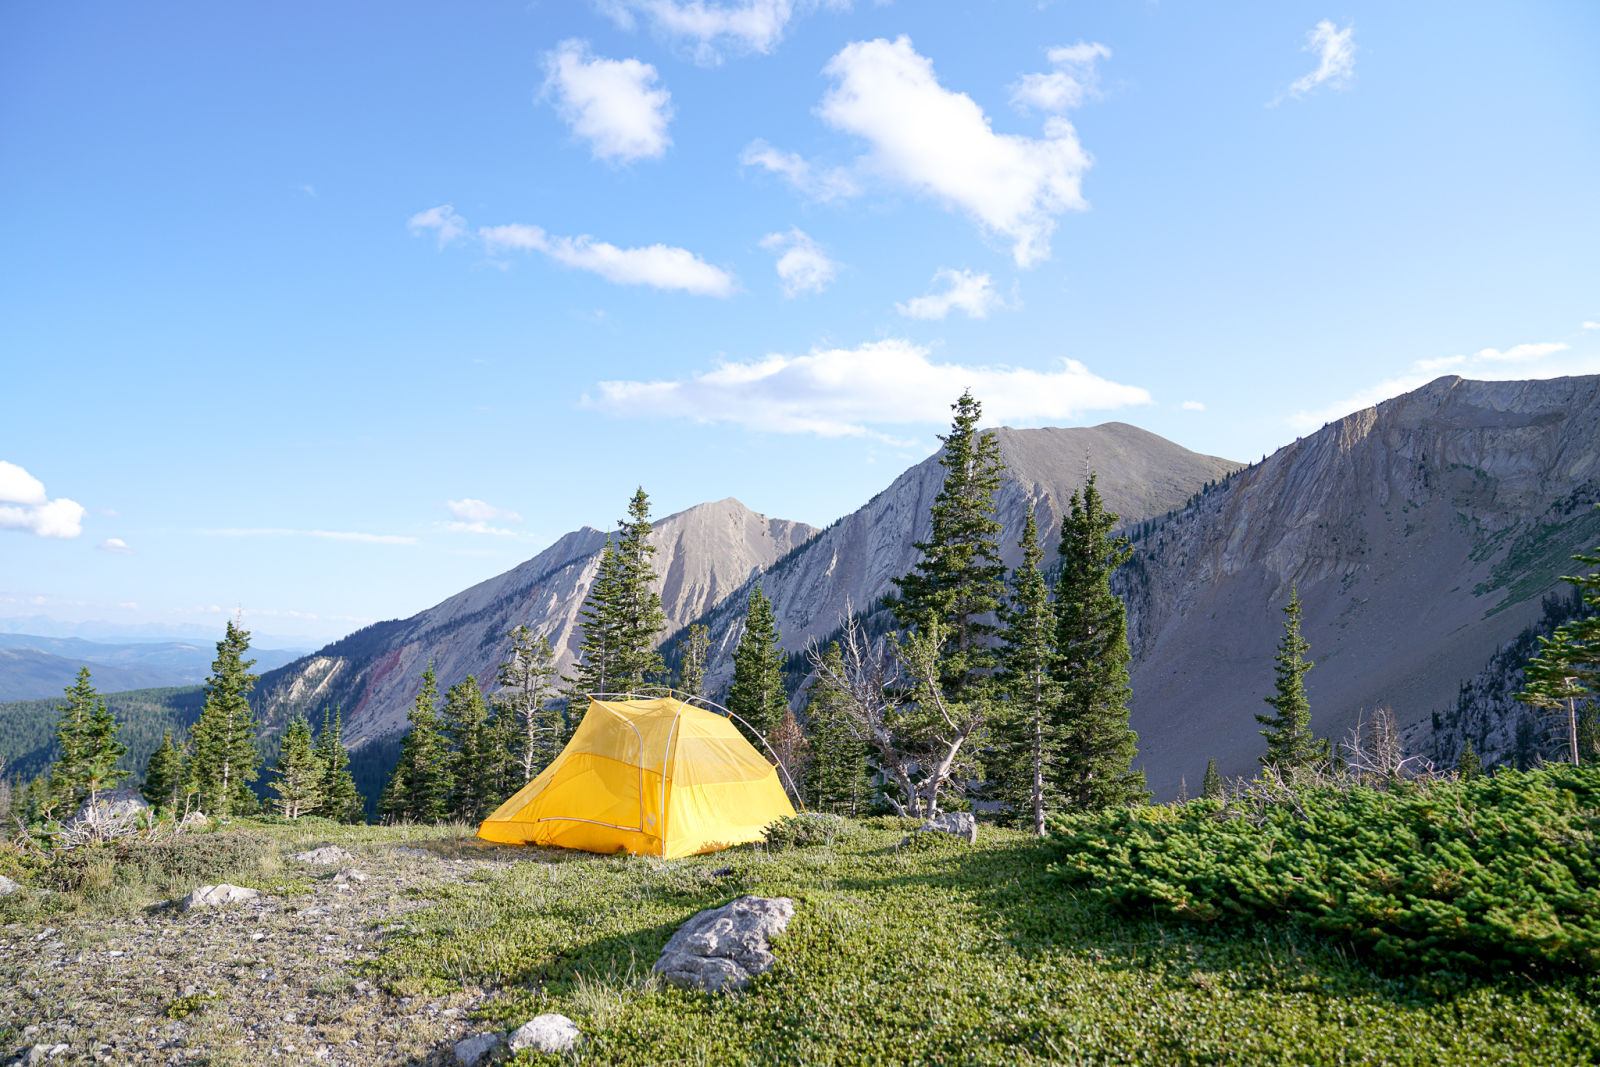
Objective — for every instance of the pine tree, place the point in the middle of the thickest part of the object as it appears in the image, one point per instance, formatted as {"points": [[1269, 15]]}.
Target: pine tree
{"points": [[226, 761], [297, 776], [960, 579], [838, 779], [341, 800], [163, 775], [757, 694], [595, 668], [692, 675], [87, 746], [533, 730], [640, 618], [1097, 746], [1589, 732], [419, 788], [1468, 765], [466, 729], [1024, 768], [1290, 742], [1567, 666], [1212, 787]]}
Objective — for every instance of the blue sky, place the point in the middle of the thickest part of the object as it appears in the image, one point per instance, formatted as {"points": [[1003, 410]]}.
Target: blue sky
{"points": [[327, 311]]}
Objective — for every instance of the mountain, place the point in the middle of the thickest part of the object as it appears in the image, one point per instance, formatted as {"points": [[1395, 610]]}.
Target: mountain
{"points": [[34, 666], [702, 554], [1422, 534], [854, 561]]}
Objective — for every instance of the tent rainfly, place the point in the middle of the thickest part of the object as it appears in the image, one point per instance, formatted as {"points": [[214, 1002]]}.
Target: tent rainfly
{"points": [[657, 776]]}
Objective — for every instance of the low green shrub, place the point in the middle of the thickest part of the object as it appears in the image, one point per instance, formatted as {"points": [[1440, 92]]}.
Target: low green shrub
{"points": [[1447, 876], [802, 830], [174, 864]]}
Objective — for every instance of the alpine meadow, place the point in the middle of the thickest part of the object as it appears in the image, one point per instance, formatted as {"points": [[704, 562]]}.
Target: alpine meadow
{"points": [[1183, 646]]}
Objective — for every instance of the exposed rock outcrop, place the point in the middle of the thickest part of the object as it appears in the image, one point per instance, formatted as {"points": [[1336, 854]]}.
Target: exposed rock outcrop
{"points": [[723, 948], [218, 896]]}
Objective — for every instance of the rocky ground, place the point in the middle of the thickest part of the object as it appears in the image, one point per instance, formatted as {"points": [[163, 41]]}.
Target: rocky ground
{"points": [[274, 979]]}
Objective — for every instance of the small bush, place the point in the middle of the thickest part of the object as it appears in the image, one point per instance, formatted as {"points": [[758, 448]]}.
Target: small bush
{"points": [[186, 1006], [1443, 876], [176, 864], [803, 830]]}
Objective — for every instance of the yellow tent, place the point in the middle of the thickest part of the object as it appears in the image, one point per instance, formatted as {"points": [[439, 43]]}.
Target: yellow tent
{"points": [[655, 776]]}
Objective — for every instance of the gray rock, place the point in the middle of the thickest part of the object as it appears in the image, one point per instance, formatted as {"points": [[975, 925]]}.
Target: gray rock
{"points": [[723, 948], [7, 886], [113, 804], [349, 874], [955, 823], [43, 1053], [474, 1050], [195, 818], [218, 896], [551, 1032], [325, 854]]}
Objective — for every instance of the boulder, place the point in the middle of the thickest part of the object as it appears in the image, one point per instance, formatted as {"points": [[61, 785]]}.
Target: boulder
{"points": [[122, 804], [195, 818], [474, 1050], [218, 896], [349, 874], [546, 1033], [325, 854], [7, 886], [723, 948], [955, 823], [42, 1054]]}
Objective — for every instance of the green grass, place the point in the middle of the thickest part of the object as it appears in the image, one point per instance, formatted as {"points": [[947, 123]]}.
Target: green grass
{"points": [[951, 954]]}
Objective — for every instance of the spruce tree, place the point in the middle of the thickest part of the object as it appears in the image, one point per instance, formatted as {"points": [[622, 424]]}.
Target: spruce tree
{"points": [[1566, 669], [692, 675], [640, 618], [163, 775], [1468, 765], [838, 779], [419, 789], [341, 800], [533, 730], [960, 579], [1212, 788], [1290, 742], [297, 776], [757, 694], [594, 671], [87, 746], [466, 730], [226, 761], [1091, 657], [1024, 766]]}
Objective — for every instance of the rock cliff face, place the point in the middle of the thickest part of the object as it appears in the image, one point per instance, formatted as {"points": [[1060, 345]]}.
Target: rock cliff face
{"points": [[702, 554], [1422, 534], [854, 561]]}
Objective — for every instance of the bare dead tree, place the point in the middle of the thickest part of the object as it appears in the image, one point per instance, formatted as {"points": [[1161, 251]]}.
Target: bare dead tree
{"points": [[940, 727], [867, 683], [1374, 754]]}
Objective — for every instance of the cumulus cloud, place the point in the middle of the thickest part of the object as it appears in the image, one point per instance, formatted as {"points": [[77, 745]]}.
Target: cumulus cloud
{"points": [[964, 289], [325, 535], [469, 510], [809, 180], [709, 28], [660, 266], [442, 220], [802, 265], [939, 143], [843, 392], [611, 103], [1336, 59], [1486, 364], [1073, 79], [25, 506], [115, 544], [1192, 405]]}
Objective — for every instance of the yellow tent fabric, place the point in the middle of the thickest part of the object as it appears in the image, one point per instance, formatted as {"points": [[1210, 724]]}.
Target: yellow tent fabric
{"points": [[658, 777]]}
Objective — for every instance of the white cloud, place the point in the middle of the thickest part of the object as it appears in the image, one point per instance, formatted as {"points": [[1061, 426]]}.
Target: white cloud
{"points": [[812, 182], [841, 392], [1589, 324], [469, 510], [1487, 364], [802, 266], [745, 25], [609, 102], [326, 535], [1192, 405], [479, 528], [940, 143], [1336, 58], [24, 505], [115, 544], [661, 266], [1068, 85], [971, 292], [443, 220]]}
